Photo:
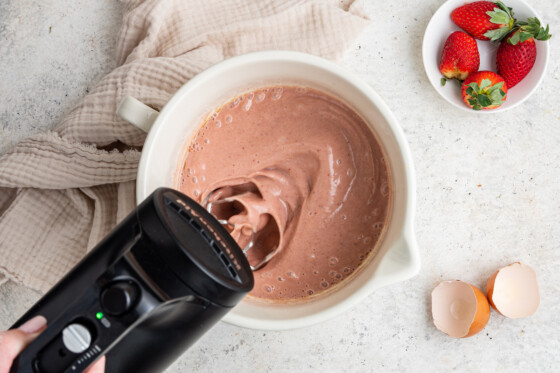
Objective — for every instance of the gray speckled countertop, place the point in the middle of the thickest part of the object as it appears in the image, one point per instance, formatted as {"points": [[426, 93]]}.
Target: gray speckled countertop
{"points": [[487, 195]]}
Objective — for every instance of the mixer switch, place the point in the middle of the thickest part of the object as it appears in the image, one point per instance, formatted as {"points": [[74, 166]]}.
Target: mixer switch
{"points": [[76, 338]]}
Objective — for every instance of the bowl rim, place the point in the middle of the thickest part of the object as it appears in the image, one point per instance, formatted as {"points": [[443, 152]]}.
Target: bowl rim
{"points": [[426, 59], [407, 233]]}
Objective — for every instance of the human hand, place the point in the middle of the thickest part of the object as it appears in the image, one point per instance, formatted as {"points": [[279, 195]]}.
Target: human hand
{"points": [[14, 341]]}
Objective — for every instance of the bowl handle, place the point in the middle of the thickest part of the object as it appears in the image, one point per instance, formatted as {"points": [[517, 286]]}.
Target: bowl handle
{"points": [[137, 113]]}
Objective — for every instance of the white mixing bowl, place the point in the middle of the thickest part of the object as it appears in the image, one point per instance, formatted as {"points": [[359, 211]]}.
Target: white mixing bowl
{"points": [[179, 120]]}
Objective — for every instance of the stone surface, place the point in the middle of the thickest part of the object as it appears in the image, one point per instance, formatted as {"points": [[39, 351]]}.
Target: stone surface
{"points": [[51, 54], [487, 196]]}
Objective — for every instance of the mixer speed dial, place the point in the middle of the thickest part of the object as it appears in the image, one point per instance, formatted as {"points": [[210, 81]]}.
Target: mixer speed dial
{"points": [[76, 338]]}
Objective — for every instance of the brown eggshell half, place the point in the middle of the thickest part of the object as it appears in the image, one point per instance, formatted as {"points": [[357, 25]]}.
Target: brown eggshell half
{"points": [[513, 291], [459, 309]]}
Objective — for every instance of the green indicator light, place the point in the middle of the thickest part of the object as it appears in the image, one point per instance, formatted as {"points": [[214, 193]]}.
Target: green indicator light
{"points": [[99, 315]]}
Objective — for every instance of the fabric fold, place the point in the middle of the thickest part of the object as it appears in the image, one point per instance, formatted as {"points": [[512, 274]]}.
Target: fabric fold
{"points": [[63, 191]]}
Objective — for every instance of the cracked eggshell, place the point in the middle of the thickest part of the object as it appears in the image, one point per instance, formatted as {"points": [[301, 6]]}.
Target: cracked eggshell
{"points": [[459, 309], [513, 291]]}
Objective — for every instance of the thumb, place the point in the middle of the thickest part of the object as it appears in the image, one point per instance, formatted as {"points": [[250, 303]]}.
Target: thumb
{"points": [[97, 367], [12, 342]]}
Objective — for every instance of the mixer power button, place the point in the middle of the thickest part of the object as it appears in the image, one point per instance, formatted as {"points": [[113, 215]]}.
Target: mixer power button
{"points": [[119, 297]]}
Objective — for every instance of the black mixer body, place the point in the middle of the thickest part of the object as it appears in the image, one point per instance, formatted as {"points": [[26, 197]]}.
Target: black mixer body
{"points": [[144, 295]]}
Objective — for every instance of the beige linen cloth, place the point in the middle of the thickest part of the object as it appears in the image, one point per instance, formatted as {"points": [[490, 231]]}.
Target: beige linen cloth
{"points": [[62, 191]]}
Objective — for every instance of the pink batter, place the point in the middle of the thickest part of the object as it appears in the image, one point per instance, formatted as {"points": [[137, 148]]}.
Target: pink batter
{"points": [[293, 168]]}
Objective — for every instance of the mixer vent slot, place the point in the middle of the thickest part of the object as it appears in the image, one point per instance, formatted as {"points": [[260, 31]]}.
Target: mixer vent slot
{"points": [[196, 225], [224, 259], [174, 205], [230, 268], [206, 236], [216, 248], [232, 271], [190, 220]]}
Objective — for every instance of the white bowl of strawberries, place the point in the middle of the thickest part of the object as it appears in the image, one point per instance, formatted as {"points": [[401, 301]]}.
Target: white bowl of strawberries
{"points": [[496, 53]]}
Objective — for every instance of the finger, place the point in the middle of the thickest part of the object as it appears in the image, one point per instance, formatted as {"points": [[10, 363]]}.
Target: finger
{"points": [[12, 342], [34, 325], [97, 367]]}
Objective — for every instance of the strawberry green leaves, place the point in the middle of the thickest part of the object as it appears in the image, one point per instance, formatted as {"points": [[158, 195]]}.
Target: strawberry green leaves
{"points": [[529, 29], [519, 37], [501, 15], [485, 94]]}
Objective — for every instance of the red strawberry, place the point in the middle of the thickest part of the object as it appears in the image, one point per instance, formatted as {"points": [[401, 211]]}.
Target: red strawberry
{"points": [[484, 90], [518, 52], [484, 20], [460, 56]]}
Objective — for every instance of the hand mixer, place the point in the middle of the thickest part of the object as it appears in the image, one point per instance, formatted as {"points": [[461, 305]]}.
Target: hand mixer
{"points": [[164, 276]]}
